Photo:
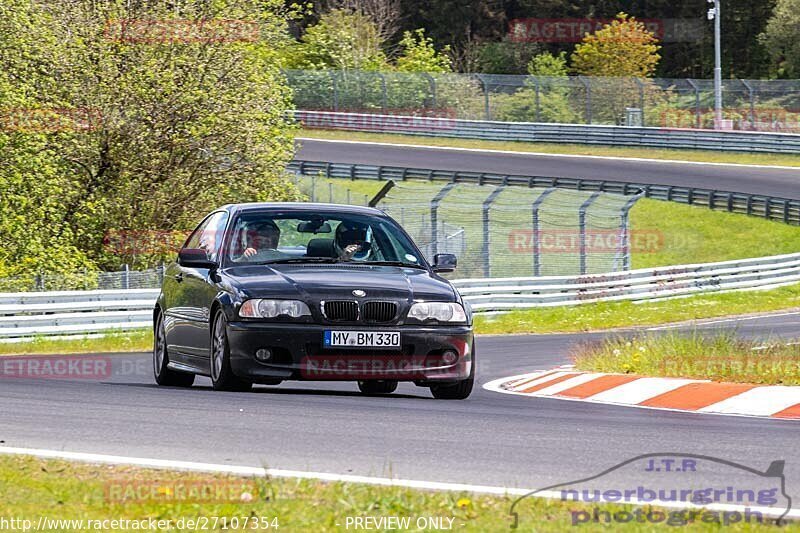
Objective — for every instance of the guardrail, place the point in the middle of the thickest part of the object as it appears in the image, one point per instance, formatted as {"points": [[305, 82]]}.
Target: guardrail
{"points": [[769, 207], [504, 294], [739, 141], [28, 314], [24, 315]]}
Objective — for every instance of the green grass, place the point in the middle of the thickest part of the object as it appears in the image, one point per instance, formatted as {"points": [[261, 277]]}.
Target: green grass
{"points": [[34, 488], [608, 315], [707, 156], [133, 341], [694, 234], [721, 357]]}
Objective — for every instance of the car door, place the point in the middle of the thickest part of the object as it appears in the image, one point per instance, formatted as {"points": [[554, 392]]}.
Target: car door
{"points": [[189, 293]]}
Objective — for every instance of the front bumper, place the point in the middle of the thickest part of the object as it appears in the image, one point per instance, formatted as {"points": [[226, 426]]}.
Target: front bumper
{"points": [[298, 354]]}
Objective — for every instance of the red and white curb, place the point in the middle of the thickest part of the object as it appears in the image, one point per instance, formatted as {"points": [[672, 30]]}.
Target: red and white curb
{"points": [[674, 394]]}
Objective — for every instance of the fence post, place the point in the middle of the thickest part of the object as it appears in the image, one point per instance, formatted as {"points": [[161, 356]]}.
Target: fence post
{"points": [[486, 112], [126, 276], [697, 119], [641, 99], [537, 242], [313, 188], [582, 228], [588, 86], [538, 99], [752, 94], [487, 204], [432, 85], [348, 196], [383, 93], [624, 227], [330, 192], [435, 216], [332, 75]]}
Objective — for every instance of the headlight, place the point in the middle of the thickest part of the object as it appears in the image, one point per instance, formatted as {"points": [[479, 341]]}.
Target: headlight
{"points": [[273, 308], [439, 311]]}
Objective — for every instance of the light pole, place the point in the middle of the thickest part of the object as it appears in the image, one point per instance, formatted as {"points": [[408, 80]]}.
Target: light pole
{"points": [[714, 14]]}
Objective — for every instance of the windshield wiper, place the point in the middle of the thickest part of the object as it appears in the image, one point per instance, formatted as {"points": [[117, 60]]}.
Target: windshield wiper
{"points": [[393, 263], [302, 260]]}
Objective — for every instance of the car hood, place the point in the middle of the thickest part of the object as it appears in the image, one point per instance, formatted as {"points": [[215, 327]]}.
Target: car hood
{"points": [[320, 282]]}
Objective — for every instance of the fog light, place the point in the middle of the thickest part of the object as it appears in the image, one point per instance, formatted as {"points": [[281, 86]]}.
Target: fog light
{"points": [[449, 357], [263, 354]]}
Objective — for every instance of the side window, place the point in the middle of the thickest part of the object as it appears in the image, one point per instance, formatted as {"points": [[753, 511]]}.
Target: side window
{"points": [[208, 235]]}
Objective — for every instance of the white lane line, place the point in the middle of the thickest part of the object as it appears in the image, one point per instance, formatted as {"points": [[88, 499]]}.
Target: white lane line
{"points": [[724, 321], [542, 154], [251, 471], [760, 401], [566, 384], [639, 390]]}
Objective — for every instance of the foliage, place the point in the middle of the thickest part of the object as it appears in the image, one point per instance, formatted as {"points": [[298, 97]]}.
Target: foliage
{"points": [[419, 55], [781, 38], [620, 49], [548, 64], [544, 99], [341, 40], [175, 126]]}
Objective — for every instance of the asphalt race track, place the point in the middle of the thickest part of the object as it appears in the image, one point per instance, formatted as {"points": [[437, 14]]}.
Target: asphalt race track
{"points": [[780, 182], [489, 439]]}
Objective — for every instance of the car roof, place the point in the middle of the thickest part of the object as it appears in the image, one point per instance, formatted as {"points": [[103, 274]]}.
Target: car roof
{"points": [[302, 206]]}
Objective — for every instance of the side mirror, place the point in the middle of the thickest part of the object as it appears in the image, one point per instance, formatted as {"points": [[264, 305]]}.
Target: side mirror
{"points": [[195, 258], [444, 262]]}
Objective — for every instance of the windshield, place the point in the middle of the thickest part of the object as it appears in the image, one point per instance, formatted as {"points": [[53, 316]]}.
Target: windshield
{"points": [[273, 237]]}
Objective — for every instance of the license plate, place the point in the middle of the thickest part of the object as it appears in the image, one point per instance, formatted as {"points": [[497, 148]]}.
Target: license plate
{"points": [[362, 339]]}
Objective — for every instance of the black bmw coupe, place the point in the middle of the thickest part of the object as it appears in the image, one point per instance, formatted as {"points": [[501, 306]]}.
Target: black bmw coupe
{"points": [[262, 293]]}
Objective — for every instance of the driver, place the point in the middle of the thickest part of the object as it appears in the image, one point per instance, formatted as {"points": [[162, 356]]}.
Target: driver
{"points": [[260, 241], [352, 241]]}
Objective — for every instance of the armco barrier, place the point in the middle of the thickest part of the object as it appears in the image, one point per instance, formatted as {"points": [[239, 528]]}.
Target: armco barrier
{"points": [[769, 207], [737, 141], [27, 314], [83, 312], [503, 294]]}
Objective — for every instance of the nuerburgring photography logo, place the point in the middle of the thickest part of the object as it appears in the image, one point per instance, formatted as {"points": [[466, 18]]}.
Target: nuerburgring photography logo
{"points": [[675, 489]]}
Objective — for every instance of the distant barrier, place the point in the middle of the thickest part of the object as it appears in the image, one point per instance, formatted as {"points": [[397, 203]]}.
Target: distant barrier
{"points": [[738, 141], [769, 207], [504, 294]]}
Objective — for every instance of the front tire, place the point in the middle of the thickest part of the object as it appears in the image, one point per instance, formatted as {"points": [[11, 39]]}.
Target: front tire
{"points": [[165, 376], [222, 376], [377, 387]]}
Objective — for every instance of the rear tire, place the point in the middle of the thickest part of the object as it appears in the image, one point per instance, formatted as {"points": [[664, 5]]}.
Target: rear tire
{"points": [[222, 376], [459, 390], [165, 376], [377, 387]]}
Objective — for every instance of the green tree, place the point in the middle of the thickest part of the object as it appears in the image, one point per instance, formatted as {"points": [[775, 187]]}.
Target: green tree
{"points": [[622, 48], [341, 40], [183, 123], [548, 65], [419, 55], [781, 38]]}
